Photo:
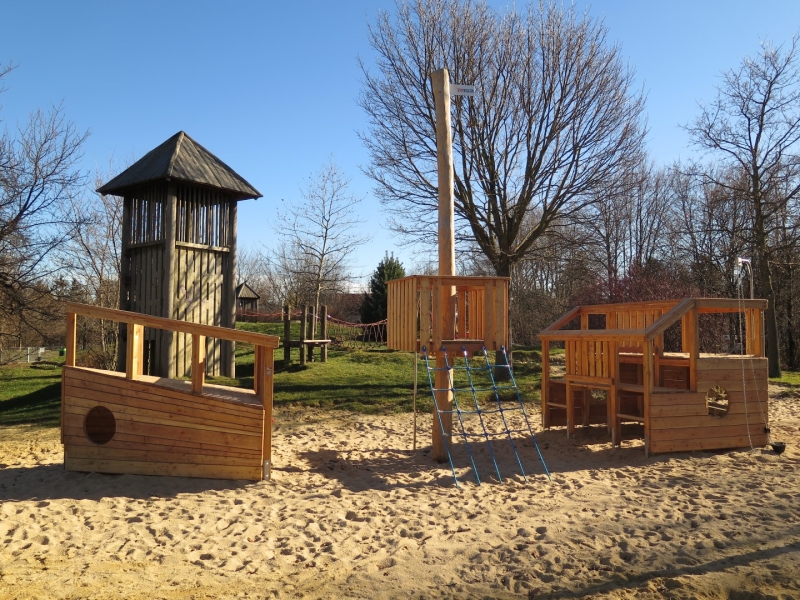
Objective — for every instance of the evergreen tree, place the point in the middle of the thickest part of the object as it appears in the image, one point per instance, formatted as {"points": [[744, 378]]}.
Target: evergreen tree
{"points": [[374, 305]]}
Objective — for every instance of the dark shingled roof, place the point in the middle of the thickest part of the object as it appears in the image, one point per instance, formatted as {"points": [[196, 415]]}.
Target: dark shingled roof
{"points": [[245, 291], [183, 159]]}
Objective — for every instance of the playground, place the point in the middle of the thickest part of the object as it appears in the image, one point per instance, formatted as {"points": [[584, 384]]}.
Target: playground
{"points": [[352, 512]]}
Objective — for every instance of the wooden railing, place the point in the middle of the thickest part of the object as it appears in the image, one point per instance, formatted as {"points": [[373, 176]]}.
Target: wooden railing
{"points": [[263, 368]]}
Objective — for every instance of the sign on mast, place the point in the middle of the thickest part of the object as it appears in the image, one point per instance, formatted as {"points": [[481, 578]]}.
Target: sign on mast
{"points": [[460, 89]]}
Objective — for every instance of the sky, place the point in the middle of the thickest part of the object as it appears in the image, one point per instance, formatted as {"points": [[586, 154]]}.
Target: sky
{"points": [[271, 87]]}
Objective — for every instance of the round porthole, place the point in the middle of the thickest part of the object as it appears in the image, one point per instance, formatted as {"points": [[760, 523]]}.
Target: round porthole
{"points": [[717, 401], [100, 425]]}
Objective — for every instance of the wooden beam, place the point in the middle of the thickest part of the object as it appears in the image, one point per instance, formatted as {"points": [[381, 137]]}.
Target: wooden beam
{"points": [[680, 309], [648, 382], [545, 392], [124, 316], [595, 334], [168, 340], [198, 363], [440, 81], [719, 305], [135, 351]]}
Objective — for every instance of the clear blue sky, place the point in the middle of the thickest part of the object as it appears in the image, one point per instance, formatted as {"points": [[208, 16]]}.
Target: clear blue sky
{"points": [[271, 87]]}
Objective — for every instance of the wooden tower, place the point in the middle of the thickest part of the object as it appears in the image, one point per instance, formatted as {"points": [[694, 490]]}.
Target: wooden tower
{"points": [[179, 250]]}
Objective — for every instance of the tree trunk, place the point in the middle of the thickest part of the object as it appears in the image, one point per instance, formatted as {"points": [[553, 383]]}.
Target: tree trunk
{"points": [[765, 283]]}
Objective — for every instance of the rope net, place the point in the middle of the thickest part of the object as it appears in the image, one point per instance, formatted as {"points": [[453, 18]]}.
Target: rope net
{"points": [[485, 411]]}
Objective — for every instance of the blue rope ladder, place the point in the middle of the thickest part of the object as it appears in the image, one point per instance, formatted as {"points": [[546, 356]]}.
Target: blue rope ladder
{"points": [[492, 418]]}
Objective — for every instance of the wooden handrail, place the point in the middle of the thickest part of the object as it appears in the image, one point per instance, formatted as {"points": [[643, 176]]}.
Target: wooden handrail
{"points": [[221, 333], [680, 309], [561, 321], [593, 334]]}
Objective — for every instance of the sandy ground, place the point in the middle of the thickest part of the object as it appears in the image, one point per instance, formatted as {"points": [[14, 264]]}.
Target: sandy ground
{"points": [[351, 512]]}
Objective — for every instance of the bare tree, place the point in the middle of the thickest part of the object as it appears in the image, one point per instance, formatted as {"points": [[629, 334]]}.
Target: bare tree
{"points": [[754, 126], [91, 255], [627, 225], [554, 117], [319, 236], [38, 172]]}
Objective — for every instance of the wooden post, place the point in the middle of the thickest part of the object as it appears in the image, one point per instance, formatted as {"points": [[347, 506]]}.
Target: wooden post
{"points": [[198, 363], [693, 339], [647, 380], [323, 351], [263, 379], [124, 279], [303, 318], [545, 393], [613, 400], [69, 360], [287, 336], [569, 353], [440, 81], [312, 321], [169, 339], [72, 323], [134, 350], [228, 366]]}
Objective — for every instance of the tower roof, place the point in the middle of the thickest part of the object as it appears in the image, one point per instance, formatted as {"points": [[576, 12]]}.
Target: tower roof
{"points": [[182, 159]]}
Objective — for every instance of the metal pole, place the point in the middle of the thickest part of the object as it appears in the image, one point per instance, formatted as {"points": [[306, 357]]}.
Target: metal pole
{"points": [[416, 364]]}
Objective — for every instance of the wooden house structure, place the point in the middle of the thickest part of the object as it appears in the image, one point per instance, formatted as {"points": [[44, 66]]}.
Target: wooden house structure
{"points": [[246, 300], [179, 249], [617, 371], [131, 422], [447, 311]]}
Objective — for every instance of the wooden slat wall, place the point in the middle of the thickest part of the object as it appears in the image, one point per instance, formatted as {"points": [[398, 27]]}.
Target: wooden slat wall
{"points": [[203, 235], [425, 313], [413, 311], [681, 422], [160, 431]]}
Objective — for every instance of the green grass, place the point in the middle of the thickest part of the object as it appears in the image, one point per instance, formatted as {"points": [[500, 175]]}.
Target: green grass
{"points": [[788, 378], [371, 381], [30, 395]]}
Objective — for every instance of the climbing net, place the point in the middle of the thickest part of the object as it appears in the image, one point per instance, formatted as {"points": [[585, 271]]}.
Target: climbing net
{"points": [[484, 410]]}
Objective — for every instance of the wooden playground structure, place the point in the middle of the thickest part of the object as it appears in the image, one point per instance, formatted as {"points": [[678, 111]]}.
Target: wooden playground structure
{"points": [[446, 310], [308, 340], [687, 400], [114, 422]]}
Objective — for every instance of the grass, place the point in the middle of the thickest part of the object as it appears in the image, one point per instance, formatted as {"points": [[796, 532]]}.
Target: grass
{"points": [[787, 378], [370, 381], [30, 394]]}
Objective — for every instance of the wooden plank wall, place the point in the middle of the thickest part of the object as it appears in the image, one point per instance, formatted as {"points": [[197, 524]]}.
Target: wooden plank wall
{"points": [[680, 421], [160, 431], [199, 299], [143, 257], [588, 358], [202, 265], [146, 290], [401, 317], [481, 305], [634, 318]]}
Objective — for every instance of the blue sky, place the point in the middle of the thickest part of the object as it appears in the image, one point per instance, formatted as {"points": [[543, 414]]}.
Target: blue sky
{"points": [[271, 87]]}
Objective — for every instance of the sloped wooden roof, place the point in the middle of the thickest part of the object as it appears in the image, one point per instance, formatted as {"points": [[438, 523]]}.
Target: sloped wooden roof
{"points": [[183, 159], [245, 291]]}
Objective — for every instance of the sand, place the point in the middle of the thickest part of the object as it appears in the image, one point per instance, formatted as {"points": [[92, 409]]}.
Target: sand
{"points": [[351, 512]]}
